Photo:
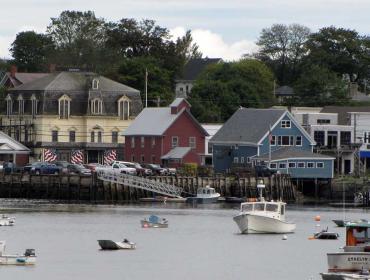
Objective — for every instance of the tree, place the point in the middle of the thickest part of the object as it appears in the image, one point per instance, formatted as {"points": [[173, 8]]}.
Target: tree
{"points": [[31, 50], [224, 87], [282, 47], [318, 86], [341, 50]]}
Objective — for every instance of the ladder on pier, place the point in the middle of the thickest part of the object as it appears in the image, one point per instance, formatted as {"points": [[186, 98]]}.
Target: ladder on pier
{"points": [[114, 176]]}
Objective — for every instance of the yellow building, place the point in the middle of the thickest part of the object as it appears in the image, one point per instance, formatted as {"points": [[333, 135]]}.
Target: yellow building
{"points": [[66, 113]]}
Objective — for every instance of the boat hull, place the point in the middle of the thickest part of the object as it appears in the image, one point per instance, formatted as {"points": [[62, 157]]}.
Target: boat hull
{"points": [[340, 223], [250, 223], [342, 276], [17, 260], [202, 199], [112, 245], [348, 261], [146, 224]]}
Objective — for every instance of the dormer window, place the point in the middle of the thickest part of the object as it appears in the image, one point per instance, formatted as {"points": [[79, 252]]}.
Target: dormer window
{"points": [[9, 105], [20, 105], [34, 103], [95, 84], [285, 124], [64, 107], [124, 105], [96, 106]]}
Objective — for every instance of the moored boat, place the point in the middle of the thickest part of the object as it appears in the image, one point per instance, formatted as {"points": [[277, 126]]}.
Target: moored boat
{"points": [[28, 258], [325, 234], [340, 223], [154, 222], [6, 221], [113, 245], [204, 195]]}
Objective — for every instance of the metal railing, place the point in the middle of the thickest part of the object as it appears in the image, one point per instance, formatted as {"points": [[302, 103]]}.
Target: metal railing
{"points": [[114, 176]]}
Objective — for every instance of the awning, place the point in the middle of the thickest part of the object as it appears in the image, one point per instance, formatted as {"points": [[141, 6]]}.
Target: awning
{"points": [[364, 154], [177, 153]]}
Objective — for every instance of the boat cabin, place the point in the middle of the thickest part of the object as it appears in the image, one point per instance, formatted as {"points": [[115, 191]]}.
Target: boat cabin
{"points": [[273, 209], [206, 191], [358, 236]]}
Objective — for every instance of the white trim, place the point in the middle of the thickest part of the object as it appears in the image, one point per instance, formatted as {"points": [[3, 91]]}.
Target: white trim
{"points": [[302, 158]]}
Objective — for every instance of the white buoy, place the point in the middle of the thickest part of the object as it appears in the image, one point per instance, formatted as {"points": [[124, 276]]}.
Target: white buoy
{"points": [[285, 237]]}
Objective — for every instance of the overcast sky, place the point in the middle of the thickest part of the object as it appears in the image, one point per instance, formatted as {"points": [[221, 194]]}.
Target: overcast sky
{"points": [[222, 28]]}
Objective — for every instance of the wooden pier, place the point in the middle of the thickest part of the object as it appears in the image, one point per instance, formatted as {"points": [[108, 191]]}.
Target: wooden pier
{"points": [[90, 189]]}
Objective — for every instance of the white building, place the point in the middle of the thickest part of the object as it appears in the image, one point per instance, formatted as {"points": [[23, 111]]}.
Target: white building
{"points": [[212, 130]]}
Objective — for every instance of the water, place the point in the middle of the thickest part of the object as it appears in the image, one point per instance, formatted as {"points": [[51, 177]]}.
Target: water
{"points": [[200, 243]]}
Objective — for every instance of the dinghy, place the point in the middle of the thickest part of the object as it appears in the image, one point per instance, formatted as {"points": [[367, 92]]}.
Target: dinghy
{"points": [[113, 245], [6, 221], [154, 222], [28, 258]]}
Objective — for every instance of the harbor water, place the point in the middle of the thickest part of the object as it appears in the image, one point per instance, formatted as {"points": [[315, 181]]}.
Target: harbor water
{"points": [[201, 242]]}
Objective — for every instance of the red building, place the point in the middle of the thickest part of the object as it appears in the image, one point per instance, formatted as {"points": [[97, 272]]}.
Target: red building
{"points": [[169, 136]]}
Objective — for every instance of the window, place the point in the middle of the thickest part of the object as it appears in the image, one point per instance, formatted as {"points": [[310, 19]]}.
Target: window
{"points": [[291, 164], [310, 165], [99, 136], [114, 136], [54, 136], [20, 105], [133, 158], [367, 137], [25, 135], [285, 140], [345, 137], [72, 136], [9, 105], [273, 140], [95, 83], [319, 137], [319, 165], [124, 105], [210, 148], [175, 141], [282, 165], [181, 89], [323, 121], [142, 158], [132, 142], [192, 143], [236, 160], [17, 134], [273, 165], [96, 106], [64, 107], [153, 141], [187, 89], [301, 165], [92, 136], [241, 159], [34, 103], [153, 159], [142, 141], [285, 124], [248, 159], [298, 140]]}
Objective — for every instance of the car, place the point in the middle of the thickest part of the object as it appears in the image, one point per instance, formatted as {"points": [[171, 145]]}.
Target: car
{"points": [[171, 171], [140, 170], [78, 169], [63, 166], [264, 171], [156, 169], [40, 167], [93, 166]]}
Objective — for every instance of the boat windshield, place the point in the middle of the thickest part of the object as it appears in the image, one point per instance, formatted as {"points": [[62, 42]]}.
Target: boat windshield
{"points": [[247, 207], [259, 206], [271, 207]]}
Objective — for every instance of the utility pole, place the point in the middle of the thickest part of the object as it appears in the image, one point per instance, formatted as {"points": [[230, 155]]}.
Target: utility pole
{"points": [[146, 87]]}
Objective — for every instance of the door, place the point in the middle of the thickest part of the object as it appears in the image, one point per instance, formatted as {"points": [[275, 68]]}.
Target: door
{"points": [[332, 139], [347, 166]]}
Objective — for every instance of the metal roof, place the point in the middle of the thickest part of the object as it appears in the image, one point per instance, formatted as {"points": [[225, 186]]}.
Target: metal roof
{"points": [[194, 67], [291, 153], [177, 153], [247, 126]]}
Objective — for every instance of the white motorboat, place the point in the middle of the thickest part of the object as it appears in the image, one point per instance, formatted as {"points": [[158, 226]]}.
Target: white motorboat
{"points": [[343, 276], [154, 222], [205, 195], [28, 258], [6, 221], [263, 216], [113, 245], [355, 256]]}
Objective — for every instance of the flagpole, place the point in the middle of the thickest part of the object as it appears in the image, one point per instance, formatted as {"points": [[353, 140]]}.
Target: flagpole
{"points": [[270, 139]]}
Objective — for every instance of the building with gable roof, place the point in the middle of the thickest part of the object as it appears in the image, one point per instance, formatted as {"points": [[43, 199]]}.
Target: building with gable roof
{"points": [[168, 135], [272, 137], [68, 111]]}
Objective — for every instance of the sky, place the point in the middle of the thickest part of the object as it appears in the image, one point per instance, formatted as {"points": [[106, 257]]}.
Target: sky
{"points": [[222, 28]]}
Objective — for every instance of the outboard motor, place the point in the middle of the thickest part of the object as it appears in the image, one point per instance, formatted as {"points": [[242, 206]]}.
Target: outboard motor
{"points": [[29, 252]]}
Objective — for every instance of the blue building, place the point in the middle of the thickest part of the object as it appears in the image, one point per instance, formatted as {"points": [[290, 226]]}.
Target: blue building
{"points": [[269, 136]]}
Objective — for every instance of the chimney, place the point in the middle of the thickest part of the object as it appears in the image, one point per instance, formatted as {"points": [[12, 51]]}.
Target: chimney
{"points": [[13, 70], [52, 67]]}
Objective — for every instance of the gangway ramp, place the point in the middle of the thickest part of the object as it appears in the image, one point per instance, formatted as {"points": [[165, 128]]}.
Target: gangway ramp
{"points": [[114, 176]]}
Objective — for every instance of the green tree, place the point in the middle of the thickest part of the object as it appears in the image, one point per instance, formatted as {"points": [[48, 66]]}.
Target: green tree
{"points": [[224, 87], [31, 50], [318, 86]]}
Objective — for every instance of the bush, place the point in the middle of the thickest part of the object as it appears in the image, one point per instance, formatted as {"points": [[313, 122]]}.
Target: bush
{"points": [[189, 169]]}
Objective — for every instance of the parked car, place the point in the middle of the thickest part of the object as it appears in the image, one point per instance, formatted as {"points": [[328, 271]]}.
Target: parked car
{"points": [[171, 171], [264, 171], [93, 166], [78, 169], [140, 170], [40, 167], [63, 166], [156, 169], [123, 168]]}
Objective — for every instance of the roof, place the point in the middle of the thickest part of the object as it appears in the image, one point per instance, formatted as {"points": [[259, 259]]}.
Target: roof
{"points": [[23, 78], [194, 67], [343, 112], [8, 145], [361, 223], [155, 121], [284, 91], [291, 153], [72, 81], [177, 153], [178, 101], [247, 126]]}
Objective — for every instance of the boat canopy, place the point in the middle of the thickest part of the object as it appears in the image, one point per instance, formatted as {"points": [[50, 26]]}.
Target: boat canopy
{"points": [[361, 224], [154, 219], [263, 206]]}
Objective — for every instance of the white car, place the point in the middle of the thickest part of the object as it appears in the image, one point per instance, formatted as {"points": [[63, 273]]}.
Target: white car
{"points": [[123, 168]]}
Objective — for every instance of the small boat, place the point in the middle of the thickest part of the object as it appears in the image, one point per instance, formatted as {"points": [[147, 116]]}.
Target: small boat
{"points": [[28, 258], [6, 221], [204, 195], [113, 245], [162, 199], [154, 222], [340, 223], [263, 216], [364, 274], [325, 234]]}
